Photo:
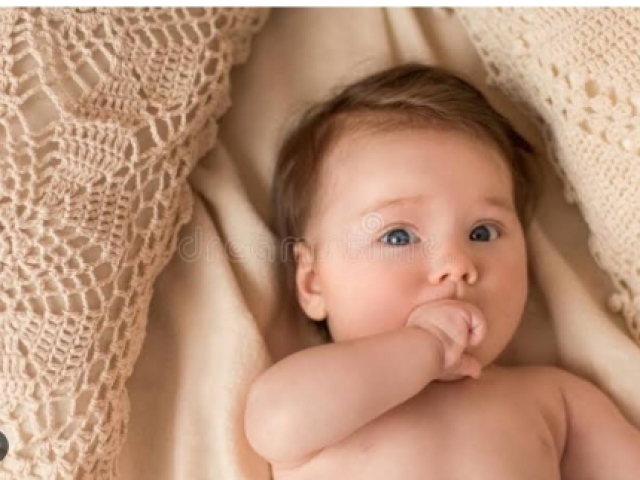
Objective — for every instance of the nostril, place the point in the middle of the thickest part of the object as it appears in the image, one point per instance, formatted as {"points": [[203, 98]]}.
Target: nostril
{"points": [[457, 268], [471, 277]]}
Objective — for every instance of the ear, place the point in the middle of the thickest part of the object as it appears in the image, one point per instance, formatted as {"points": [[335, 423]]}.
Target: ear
{"points": [[307, 282]]}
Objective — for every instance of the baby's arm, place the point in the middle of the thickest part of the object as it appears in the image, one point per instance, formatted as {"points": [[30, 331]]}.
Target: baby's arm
{"points": [[318, 396], [600, 442]]}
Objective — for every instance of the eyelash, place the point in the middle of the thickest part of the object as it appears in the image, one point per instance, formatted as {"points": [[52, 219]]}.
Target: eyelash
{"points": [[393, 229], [492, 225], [499, 231]]}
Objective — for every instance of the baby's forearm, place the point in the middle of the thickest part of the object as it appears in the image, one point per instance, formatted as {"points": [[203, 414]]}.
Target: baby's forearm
{"points": [[317, 397]]}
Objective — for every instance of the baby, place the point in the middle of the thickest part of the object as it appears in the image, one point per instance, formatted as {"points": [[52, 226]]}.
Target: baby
{"points": [[408, 197]]}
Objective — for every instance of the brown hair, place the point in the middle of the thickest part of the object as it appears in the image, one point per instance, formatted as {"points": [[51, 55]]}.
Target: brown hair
{"points": [[399, 97]]}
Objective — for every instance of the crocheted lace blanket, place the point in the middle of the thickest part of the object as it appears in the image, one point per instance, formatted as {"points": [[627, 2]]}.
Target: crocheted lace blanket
{"points": [[103, 113], [577, 70]]}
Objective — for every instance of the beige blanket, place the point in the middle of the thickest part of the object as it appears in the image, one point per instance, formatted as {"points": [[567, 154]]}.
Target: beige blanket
{"points": [[215, 314]]}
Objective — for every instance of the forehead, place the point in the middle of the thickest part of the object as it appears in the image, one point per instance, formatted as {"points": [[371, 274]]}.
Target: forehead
{"points": [[363, 165]]}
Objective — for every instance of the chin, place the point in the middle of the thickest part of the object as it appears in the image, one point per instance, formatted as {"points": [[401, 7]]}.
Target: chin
{"points": [[452, 378], [487, 358]]}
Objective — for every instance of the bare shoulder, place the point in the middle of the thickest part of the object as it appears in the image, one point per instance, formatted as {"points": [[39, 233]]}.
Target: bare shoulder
{"points": [[553, 381], [595, 423], [569, 384], [589, 415], [542, 387]]}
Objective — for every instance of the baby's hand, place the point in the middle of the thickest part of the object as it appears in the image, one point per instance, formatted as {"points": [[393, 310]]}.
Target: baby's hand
{"points": [[457, 325]]}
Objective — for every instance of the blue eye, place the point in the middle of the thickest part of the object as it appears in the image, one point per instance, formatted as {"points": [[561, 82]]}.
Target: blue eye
{"points": [[397, 237], [484, 233]]}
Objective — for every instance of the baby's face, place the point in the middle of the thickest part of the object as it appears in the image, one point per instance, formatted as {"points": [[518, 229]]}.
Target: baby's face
{"points": [[408, 217]]}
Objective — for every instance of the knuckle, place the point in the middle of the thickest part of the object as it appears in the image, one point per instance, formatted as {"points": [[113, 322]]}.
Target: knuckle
{"points": [[463, 316]]}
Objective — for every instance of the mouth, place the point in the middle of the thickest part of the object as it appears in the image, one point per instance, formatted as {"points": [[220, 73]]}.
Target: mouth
{"points": [[449, 290]]}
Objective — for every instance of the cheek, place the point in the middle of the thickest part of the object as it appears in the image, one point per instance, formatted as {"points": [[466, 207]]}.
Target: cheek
{"points": [[513, 274], [509, 284], [366, 297], [503, 303]]}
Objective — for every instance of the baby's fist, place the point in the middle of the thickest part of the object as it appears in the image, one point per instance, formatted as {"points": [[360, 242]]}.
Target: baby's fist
{"points": [[456, 325]]}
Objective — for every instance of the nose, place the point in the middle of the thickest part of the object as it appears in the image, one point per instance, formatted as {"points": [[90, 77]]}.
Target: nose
{"points": [[455, 266]]}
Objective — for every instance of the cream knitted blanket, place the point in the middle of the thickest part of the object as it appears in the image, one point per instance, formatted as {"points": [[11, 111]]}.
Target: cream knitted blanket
{"points": [[215, 320], [577, 71], [103, 114]]}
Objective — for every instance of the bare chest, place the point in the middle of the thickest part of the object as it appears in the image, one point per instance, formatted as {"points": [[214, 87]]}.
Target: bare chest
{"points": [[450, 431]]}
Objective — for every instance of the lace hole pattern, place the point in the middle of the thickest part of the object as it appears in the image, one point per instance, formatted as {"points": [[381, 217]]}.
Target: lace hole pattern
{"points": [[103, 114], [576, 70]]}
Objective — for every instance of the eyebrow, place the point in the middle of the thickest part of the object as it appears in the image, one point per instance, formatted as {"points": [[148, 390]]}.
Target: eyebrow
{"points": [[499, 202], [491, 200], [396, 202]]}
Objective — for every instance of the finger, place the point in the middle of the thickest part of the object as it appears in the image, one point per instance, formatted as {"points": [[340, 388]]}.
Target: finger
{"points": [[470, 366], [477, 329]]}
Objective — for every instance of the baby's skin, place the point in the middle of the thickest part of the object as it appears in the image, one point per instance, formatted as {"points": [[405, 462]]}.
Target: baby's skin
{"points": [[394, 406], [409, 388]]}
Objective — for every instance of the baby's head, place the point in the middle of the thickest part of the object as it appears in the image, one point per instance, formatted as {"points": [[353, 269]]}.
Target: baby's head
{"points": [[404, 188]]}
